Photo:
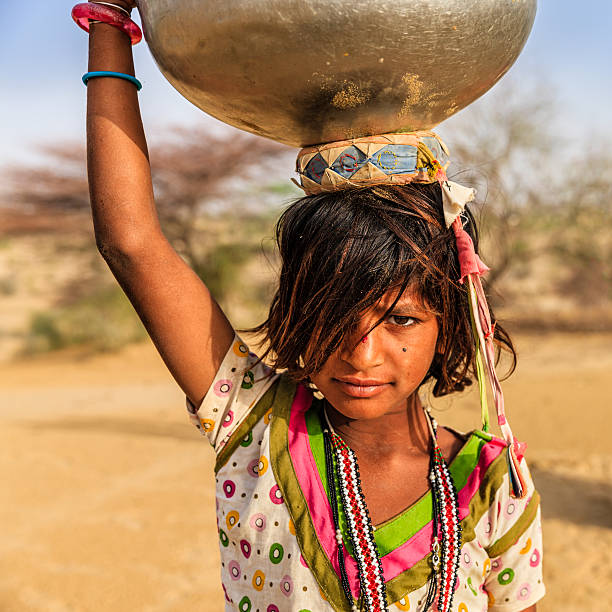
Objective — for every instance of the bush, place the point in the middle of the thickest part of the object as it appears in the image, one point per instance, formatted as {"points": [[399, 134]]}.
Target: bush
{"points": [[101, 321]]}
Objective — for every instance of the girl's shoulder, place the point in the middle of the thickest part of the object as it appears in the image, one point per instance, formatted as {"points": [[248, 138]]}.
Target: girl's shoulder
{"points": [[489, 510], [468, 448], [451, 441], [237, 398], [479, 465]]}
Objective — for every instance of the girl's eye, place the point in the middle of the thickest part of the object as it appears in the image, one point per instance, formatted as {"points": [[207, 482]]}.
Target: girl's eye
{"points": [[402, 321]]}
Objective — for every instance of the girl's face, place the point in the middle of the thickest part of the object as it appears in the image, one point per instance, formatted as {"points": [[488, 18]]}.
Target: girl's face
{"points": [[373, 375]]}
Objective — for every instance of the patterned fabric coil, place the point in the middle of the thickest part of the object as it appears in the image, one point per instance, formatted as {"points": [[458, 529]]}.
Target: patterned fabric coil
{"points": [[394, 159]]}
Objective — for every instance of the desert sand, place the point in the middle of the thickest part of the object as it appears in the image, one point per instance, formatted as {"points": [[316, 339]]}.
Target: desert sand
{"points": [[108, 491]]}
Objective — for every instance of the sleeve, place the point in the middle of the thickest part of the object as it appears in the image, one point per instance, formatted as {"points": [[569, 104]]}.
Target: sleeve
{"points": [[239, 384], [514, 580]]}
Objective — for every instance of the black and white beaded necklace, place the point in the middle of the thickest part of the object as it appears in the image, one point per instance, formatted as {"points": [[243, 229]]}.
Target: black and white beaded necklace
{"points": [[446, 538]]}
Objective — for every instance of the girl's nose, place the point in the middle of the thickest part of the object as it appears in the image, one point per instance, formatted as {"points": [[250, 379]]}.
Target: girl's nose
{"points": [[363, 351]]}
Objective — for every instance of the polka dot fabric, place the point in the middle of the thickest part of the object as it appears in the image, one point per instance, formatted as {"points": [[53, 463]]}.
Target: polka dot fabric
{"points": [[263, 568], [513, 578], [238, 386]]}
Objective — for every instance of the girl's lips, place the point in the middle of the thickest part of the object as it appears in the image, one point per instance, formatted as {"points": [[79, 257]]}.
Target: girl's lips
{"points": [[364, 388]]}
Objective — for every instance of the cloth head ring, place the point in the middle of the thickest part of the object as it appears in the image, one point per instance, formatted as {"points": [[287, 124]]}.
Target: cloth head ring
{"points": [[387, 159]]}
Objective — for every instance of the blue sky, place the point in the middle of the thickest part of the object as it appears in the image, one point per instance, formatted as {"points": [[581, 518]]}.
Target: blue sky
{"points": [[43, 55]]}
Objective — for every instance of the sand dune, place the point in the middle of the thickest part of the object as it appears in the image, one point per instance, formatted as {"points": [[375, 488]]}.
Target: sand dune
{"points": [[108, 493]]}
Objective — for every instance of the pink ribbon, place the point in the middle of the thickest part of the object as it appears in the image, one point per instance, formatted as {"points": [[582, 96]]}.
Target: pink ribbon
{"points": [[469, 261]]}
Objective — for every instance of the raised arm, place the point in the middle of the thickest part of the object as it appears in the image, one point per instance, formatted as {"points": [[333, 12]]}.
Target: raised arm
{"points": [[187, 326]]}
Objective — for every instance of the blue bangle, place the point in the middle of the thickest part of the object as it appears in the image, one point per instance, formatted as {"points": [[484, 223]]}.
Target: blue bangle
{"points": [[108, 73]]}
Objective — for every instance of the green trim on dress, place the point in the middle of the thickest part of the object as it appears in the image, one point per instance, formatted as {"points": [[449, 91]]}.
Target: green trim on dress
{"points": [[499, 547], [282, 466], [418, 575], [484, 496], [319, 564], [394, 532]]}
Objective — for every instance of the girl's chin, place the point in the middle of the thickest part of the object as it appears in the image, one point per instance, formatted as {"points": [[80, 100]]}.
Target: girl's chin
{"points": [[364, 409]]}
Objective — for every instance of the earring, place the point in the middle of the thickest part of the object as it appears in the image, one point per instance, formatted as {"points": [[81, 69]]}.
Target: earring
{"points": [[404, 349], [315, 391]]}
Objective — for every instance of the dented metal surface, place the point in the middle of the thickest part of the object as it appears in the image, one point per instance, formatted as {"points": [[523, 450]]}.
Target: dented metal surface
{"points": [[311, 71]]}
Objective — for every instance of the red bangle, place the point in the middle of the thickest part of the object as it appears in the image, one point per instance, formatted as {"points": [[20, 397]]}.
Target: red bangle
{"points": [[82, 13]]}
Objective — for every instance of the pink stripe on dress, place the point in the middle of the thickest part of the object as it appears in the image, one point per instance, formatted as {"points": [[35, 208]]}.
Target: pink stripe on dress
{"points": [[419, 545], [312, 486]]}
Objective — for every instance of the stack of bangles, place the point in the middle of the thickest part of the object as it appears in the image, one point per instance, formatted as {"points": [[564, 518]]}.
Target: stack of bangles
{"points": [[86, 13]]}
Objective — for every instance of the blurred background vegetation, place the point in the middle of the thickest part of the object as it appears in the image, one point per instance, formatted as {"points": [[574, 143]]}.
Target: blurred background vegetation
{"points": [[546, 230]]}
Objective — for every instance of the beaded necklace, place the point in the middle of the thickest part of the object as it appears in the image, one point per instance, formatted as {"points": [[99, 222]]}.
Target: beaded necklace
{"points": [[446, 539]]}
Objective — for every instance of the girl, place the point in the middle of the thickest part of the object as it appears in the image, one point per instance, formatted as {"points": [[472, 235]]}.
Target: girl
{"points": [[336, 489]]}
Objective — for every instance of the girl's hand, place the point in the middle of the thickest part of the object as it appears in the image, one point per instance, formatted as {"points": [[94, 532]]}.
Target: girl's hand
{"points": [[126, 4]]}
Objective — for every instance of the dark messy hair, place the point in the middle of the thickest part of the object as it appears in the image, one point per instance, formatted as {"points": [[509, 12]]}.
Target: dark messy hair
{"points": [[342, 251]]}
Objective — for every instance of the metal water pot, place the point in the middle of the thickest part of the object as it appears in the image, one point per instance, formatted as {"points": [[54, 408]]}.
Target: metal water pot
{"points": [[311, 71]]}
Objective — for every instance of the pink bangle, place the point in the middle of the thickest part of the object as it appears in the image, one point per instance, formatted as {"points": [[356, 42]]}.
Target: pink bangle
{"points": [[83, 13]]}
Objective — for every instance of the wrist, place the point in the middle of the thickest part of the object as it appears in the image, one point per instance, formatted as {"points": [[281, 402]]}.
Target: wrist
{"points": [[128, 6], [109, 49]]}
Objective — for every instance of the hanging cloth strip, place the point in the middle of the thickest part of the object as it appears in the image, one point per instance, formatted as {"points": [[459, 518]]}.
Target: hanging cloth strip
{"points": [[421, 157]]}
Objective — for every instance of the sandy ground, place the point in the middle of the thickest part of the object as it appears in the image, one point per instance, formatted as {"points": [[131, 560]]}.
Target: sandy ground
{"points": [[107, 498]]}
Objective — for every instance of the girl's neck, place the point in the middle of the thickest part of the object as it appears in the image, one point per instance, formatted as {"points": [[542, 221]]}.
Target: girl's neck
{"points": [[401, 430]]}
